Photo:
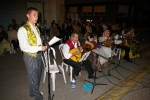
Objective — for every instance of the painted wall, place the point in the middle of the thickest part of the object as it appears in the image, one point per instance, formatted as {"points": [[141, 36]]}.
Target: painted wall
{"points": [[10, 9], [7, 13]]}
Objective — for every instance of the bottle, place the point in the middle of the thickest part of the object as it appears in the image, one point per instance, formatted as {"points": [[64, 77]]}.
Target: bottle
{"points": [[73, 83]]}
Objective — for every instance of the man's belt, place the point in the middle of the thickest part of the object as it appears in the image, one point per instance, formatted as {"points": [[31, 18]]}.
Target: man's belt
{"points": [[32, 54]]}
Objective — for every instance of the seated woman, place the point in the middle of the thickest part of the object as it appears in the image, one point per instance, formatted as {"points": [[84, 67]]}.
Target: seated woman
{"points": [[54, 30], [12, 37], [106, 42], [88, 30], [4, 43], [92, 37], [90, 43], [133, 44], [103, 52]]}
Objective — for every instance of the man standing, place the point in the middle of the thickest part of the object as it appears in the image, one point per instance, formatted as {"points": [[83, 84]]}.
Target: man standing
{"points": [[31, 46]]}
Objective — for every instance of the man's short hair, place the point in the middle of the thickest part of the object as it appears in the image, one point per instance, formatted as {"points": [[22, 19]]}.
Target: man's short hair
{"points": [[72, 35], [30, 9]]}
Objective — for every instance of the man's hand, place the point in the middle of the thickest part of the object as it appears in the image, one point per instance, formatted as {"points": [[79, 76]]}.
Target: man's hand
{"points": [[76, 53], [44, 48], [80, 48]]}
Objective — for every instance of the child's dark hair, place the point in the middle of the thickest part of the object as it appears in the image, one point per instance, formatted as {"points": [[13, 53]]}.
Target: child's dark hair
{"points": [[93, 35]]}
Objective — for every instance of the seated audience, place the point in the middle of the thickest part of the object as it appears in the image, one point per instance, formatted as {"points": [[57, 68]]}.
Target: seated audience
{"points": [[12, 37], [4, 43]]}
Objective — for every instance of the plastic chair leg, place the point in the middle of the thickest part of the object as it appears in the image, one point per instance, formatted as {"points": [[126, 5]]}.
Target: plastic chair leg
{"points": [[62, 70], [71, 73], [53, 80], [44, 77], [66, 68]]}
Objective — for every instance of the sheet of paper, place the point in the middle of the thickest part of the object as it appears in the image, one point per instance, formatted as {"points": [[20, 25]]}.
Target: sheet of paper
{"points": [[53, 40]]}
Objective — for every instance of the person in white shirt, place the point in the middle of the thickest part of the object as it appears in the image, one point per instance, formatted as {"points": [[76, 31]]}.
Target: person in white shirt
{"points": [[69, 45], [106, 42], [118, 40], [31, 46]]}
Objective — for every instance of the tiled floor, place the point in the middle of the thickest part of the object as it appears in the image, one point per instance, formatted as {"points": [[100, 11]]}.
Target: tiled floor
{"points": [[14, 83]]}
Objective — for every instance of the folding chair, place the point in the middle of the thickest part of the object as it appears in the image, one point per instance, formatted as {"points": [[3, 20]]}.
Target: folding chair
{"points": [[53, 68], [84, 57]]}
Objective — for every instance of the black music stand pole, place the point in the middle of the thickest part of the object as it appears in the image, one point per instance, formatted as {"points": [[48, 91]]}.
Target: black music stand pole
{"points": [[119, 65], [94, 83], [108, 74], [49, 85]]}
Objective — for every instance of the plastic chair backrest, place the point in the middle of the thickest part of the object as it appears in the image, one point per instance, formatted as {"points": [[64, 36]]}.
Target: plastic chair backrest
{"points": [[60, 48], [53, 51]]}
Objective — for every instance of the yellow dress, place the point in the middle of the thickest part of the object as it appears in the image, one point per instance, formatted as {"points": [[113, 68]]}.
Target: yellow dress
{"points": [[134, 50]]}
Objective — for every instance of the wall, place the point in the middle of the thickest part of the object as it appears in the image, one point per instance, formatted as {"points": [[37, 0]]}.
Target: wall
{"points": [[7, 13], [10, 9], [100, 1], [20, 8], [50, 11], [111, 12], [60, 10]]}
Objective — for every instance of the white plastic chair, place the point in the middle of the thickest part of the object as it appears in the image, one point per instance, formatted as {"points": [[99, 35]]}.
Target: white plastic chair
{"points": [[63, 63], [116, 52], [84, 57], [53, 68]]}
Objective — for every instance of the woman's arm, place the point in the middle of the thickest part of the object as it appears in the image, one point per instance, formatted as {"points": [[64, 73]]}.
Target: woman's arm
{"points": [[89, 43]]}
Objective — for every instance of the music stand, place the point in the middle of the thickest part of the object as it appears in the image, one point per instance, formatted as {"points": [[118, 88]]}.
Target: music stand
{"points": [[94, 83], [45, 42], [84, 56], [119, 64], [48, 52], [108, 74]]}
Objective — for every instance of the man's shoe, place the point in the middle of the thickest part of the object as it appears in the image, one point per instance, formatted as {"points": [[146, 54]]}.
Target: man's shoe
{"points": [[100, 71], [127, 59], [94, 77], [31, 95], [41, 93]]}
